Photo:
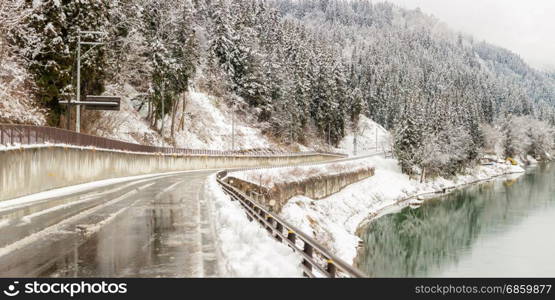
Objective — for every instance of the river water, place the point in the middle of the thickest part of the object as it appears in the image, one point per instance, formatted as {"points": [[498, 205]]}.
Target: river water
{"points": [[502, 228]]}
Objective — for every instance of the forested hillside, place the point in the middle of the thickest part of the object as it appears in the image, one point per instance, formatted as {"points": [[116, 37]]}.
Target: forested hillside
{"points": [[302, 68]]}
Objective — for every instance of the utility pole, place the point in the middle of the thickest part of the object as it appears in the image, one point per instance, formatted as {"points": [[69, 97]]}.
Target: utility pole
{"points": [[233, 130], [290, 128], [357, 132], [355, 141], [163, 112], [68, 110], [376, 137], [78, 94]]}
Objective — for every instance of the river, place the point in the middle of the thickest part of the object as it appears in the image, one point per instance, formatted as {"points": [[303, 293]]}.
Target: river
{"points": [[502, 228]]}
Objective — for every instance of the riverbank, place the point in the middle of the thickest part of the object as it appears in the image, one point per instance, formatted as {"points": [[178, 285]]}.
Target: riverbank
{"points": [[493, 229], [334, 221]]}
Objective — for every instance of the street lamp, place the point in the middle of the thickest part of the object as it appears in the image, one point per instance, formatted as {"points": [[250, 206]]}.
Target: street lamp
{"points": [[78, 94]]}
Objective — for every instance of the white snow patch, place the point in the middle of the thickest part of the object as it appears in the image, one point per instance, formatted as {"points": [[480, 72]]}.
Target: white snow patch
{"points": [[208, 125], [127, 124], [371, 138], [245, 247]]}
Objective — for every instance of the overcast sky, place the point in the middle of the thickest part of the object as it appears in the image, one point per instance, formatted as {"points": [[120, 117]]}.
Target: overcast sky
{"points": [[526, 27]]}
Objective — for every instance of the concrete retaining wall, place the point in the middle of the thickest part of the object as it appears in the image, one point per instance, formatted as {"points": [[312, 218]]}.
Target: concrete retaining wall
{"points": [[31, 170], [313, 187]]}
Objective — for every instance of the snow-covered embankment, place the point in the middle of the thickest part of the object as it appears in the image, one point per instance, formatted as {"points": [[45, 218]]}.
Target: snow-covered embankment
{"points": [[333, 221]]}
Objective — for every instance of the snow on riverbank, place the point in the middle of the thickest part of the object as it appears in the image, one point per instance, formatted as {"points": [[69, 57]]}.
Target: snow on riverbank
{"points": [[333, 221], [245, 248]]}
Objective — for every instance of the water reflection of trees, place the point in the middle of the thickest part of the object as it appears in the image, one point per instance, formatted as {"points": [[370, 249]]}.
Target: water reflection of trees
{"points": [[414, 242]]}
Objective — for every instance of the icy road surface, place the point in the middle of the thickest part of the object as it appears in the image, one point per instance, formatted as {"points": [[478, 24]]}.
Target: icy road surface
{"points": [[153, 227]]}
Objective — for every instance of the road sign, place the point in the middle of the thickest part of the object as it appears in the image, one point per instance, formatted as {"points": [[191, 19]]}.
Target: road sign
{"points": [[103, 103], [97, 103]]}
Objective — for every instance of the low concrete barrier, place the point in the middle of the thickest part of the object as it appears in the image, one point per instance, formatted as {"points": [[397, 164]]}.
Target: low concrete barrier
{"points": [[316, 187], [30, 170]]}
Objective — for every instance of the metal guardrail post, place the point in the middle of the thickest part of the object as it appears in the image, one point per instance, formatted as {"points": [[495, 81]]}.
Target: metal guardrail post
{"points": [[331, 268], [309, 251], [292, 236], [279, 229], [271, 227]]}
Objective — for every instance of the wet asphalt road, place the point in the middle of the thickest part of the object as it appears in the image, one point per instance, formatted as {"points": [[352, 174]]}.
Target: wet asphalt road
{"points": [[156, 227]]}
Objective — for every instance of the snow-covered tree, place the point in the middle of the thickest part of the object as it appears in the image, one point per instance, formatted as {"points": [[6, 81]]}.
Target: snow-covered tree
{"points": [[43, 42], [407, 144], [171, 46], [47, 40]]}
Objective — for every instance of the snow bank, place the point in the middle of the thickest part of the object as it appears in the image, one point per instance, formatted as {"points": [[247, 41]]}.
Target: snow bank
{"points": [[333, 221], [245, 247], [208, 125], [371, 138], [128, 124]]}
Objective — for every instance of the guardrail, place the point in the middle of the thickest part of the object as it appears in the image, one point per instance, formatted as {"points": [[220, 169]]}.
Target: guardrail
{"points": [[13, 135], [317, 260]]}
